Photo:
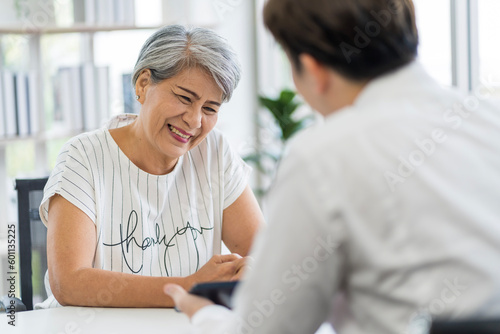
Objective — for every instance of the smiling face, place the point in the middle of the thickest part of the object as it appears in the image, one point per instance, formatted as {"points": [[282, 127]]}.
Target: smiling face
{"points": [[176, 114]]}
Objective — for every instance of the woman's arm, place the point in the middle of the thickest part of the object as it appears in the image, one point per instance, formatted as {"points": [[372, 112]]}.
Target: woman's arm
{"points": [[71, 244], [241, 221]]}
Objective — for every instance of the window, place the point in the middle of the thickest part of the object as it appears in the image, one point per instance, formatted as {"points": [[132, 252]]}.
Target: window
{"points": [[489, 47], [434, 27]]}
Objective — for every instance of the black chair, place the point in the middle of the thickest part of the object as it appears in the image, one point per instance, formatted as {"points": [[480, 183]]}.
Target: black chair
{"points": [[475, 326], [32, 250]]}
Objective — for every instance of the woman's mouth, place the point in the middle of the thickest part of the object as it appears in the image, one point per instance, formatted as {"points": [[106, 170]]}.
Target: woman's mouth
{"points": [[179, 134]]}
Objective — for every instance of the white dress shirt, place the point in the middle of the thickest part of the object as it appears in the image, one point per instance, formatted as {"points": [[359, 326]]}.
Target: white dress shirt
{"points": [[392, 206]]}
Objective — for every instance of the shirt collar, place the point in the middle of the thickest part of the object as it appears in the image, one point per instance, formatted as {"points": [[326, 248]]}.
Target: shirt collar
{"points": [[394, 84]]}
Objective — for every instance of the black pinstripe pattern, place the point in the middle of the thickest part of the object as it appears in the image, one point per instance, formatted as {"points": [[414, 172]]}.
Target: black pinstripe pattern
{"points": [[161, 225]]}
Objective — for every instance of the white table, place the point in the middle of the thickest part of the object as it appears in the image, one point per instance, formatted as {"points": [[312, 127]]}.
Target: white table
{"points": [[82, 320]]}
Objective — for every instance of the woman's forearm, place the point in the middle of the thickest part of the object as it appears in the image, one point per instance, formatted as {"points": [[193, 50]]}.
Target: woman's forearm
{"points": [[97, 287], [103, 288]]}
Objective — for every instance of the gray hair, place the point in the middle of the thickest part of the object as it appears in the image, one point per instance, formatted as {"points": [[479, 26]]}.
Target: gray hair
{"points": [[174, 48]]}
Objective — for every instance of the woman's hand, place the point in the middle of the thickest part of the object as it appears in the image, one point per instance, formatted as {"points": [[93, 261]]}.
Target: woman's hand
{"points": [[220, 268], [244, 265], [230, 267], [185, 302]]}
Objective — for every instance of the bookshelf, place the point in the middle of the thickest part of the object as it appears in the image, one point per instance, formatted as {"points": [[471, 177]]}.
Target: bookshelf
{"points": [[34, 75], [25, 90], [75, 28]]}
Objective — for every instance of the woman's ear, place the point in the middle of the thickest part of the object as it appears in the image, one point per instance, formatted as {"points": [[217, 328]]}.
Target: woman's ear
{"points": [[142, 84], [317, 72]]}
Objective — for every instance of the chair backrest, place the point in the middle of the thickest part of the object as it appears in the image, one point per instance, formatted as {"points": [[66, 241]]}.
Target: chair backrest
{"points": [[32, 240], [476, 326]]}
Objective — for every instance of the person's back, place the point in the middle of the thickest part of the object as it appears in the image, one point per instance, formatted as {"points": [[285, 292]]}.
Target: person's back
{"points": [[417, 175], [390, 204], [400, 183]]}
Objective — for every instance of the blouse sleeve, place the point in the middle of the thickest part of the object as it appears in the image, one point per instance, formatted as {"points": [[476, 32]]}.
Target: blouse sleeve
{"points": [[72, 179]]}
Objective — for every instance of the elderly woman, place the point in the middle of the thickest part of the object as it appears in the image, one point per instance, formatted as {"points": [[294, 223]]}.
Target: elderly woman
{"points": [[148, 199]]}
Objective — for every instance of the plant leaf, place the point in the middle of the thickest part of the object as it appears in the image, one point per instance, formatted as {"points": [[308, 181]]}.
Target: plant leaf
{"points": [[286, 96]]}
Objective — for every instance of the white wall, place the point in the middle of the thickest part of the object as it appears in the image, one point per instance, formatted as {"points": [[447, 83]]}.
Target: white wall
{"points": [[233, 20], [237, 117]]}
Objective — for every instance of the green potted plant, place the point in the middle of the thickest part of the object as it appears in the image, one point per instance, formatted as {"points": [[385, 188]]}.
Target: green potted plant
{"points": [[283, 110]]}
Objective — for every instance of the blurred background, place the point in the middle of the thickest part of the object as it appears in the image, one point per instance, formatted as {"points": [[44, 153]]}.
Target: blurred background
{"points": [[65, 67]]}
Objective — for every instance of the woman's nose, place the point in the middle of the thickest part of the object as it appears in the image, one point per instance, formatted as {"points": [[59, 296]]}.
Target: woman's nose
{"points": [[192, 117]]}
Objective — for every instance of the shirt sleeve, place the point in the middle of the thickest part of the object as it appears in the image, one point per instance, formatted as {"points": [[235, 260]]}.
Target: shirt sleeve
{"points": [[298, 256], [215, 319], [236, 173], [72, 179]]}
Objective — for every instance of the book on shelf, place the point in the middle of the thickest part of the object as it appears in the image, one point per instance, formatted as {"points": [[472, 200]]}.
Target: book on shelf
{"points": [[22, 102], [103, 100], [80, 11], [2, 109], [129, 12], [19, 104], [82, 97], [89, 94], [118, 11], [68, 100], [34, 100], [95, 89], [130, 104], [104, 12], [75, 112], [60, 94], [9, 89]]}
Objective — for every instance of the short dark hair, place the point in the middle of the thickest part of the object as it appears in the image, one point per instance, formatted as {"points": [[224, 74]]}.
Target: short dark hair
{"points": [[360, 39]]}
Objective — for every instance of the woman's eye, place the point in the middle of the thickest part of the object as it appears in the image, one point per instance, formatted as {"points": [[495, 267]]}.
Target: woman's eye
{"points": [[210, 109], [184, 98]]}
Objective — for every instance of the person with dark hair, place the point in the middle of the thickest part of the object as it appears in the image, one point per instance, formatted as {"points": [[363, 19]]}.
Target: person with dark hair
{"points": [[384, 216]]}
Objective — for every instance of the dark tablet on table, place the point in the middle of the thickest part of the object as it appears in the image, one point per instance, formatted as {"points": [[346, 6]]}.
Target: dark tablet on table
{"points": [[218, 292]]}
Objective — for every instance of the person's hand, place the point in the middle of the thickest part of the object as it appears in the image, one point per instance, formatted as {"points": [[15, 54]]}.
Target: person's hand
{"points": [[244, 265], [220, 268], [185, 302]]}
